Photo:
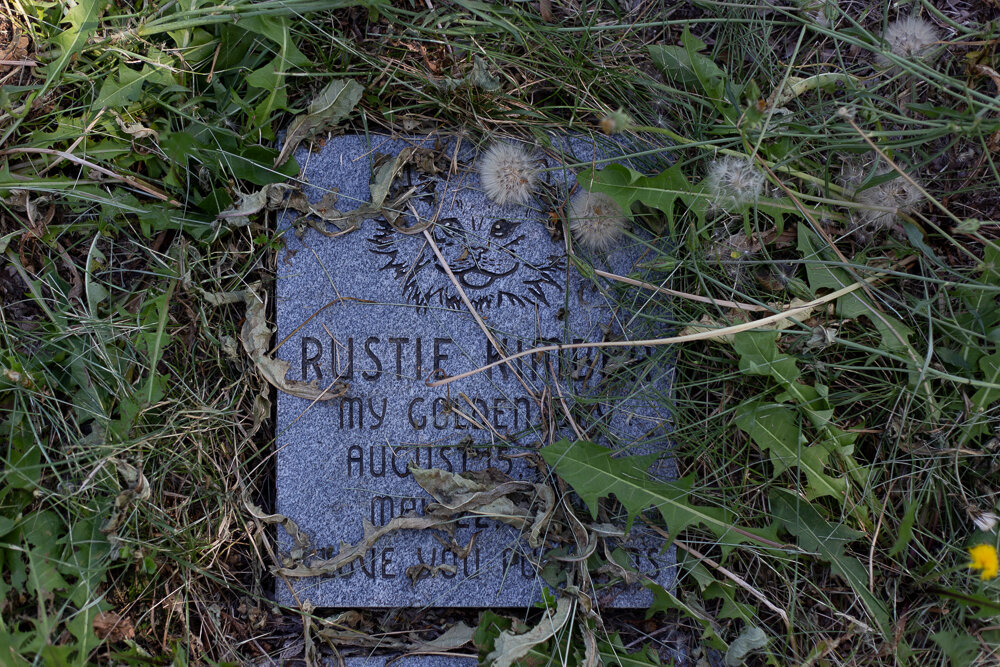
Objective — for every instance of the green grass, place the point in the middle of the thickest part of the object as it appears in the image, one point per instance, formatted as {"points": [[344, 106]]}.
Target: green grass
{"points": [[136, 433]]}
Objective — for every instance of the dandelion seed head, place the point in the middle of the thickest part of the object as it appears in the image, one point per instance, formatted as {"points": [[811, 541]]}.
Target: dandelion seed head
{"points": [[596, 220], [507, 173], [887, 201], [911, 37], [882, 204], [984, 558], [734, 182], [984, 521]]}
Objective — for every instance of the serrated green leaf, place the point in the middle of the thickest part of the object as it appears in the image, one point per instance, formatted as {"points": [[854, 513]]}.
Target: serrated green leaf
{"points": [[128, 86], [759, 355], [894, 335], [661, 192], [829, 542], [775, 429], [83, 20], [594, 474]]}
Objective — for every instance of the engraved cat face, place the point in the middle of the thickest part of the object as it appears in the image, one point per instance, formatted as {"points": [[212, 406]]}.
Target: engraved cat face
{"points": [[478, 260], [482, 255]]}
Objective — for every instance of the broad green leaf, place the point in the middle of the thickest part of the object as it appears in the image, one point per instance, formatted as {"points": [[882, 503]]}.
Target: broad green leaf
{"points": [[960, 647], [686, 65], [127, 88], [759, 355], [829, 542], [989, 366], [661, 192], [775, 429], [751, 639], [592, 472]]}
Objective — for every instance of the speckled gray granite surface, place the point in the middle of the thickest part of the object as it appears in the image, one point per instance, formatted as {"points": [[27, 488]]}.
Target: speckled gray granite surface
{"points": [[374, 308]]}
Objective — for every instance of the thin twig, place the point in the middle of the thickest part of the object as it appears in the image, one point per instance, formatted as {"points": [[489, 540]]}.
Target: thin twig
{"points": [[701, 335], [129, 180], [472, 310], [77, 141], [684, 295]]}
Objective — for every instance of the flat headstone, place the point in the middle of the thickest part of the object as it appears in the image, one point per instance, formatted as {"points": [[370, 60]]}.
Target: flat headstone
{"points": [[376, 310]]}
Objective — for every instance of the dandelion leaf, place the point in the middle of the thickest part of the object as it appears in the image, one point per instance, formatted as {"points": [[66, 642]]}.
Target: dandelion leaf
{"points": [[686, 66], [990, 368], [775, 429], [83, 17], [750, 639], [829, 542], [822, 276], [594, 474], [661, 192]]}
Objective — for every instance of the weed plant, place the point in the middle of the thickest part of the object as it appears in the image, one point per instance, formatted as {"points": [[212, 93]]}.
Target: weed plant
{"points": [[845, 463]]}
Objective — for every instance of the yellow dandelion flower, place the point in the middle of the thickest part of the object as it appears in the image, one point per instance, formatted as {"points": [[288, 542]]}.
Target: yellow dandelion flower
{"points": [[984, 557]]}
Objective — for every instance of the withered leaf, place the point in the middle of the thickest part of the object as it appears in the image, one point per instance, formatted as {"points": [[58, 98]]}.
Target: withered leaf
{"points": [[329, 107]]}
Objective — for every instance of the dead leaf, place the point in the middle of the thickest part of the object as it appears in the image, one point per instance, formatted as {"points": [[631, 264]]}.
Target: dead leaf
{"points": [[135, 130], [454, 637], [457, 494], [510, 647], [256, 338], [329, 107], [300, 538], [709, 323], [424, 571], [348, 552], [110, 627]]}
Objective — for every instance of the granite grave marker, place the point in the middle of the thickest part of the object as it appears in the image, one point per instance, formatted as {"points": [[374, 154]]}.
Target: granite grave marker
{"points": [[375, 309]]}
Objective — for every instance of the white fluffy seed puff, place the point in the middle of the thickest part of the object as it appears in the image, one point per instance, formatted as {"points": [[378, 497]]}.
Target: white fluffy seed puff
{"points": [[596, 220], [507, 173], [734, 182], [912, 38]]}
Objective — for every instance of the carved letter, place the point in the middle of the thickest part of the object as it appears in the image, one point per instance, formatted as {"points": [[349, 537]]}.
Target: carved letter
{"points": [[434, 412], [351, 403], [387, 563], [381, 510], [493, 355], [415, 422], [440, 356], [371, 462], [349, 373], [313, 361], [378, 417], [356, 455], [378, 362]]}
